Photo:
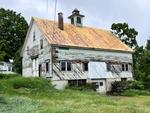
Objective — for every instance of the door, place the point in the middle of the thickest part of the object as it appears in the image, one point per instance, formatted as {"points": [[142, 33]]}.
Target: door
{"points": [[101, 86]]}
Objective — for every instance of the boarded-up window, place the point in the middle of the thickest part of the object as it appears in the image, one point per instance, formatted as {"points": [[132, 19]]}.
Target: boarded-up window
{"points": [[85, 66]]}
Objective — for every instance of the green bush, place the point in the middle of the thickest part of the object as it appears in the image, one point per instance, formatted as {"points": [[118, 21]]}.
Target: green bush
{"points": [[119, 86], [8, 76], [136, 85]]}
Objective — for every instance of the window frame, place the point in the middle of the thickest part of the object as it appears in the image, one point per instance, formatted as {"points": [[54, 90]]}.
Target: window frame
{"points": [[66, 68], [101, 84], [79, 21], [84, 67], [41, 44], [72, 20], [47, 67], [125, 67], [70, 68], [108, 66]]}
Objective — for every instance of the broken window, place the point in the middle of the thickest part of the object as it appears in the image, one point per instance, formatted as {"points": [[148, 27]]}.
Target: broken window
{"points": [[85, 66]]}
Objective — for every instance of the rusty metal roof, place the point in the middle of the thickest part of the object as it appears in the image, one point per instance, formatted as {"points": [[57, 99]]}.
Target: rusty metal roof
{"points": [[85, 37]]}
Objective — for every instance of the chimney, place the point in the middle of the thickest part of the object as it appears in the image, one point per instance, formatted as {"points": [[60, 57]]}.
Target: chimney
{"points": [[60, 21]]}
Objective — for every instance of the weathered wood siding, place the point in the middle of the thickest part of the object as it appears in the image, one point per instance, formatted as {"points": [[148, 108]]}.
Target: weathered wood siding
{"points": [[78, 56], [29, 69], [91, 55]]}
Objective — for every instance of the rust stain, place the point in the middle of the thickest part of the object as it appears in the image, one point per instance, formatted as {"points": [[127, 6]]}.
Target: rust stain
{"points": [[80, 36]]}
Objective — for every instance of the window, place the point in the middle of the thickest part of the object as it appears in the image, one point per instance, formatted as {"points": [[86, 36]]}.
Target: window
{"points": [[101, 83], [65, 66], [85, 66], [78, 20], [77, 82], [41, 44], [72, 20], [68, 66], [28, 50], [125, 67], [33, 36], [123, 79], [108, 66], [47, 67]]}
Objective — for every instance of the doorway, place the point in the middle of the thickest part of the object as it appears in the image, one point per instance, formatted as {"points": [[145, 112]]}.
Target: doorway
{"points": [[40, 70]]}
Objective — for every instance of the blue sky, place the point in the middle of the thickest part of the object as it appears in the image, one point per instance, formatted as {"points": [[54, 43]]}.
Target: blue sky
{"points": [[98, 13]]}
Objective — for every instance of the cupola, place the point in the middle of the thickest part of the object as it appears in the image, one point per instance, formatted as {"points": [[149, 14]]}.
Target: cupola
{"points": [[76, 18]]}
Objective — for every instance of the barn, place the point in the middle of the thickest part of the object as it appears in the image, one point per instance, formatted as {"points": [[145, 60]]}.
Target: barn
{"points": [[74, 54]]}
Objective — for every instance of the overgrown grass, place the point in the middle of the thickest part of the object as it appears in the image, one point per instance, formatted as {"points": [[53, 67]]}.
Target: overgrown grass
{"points": [[36, 95]]}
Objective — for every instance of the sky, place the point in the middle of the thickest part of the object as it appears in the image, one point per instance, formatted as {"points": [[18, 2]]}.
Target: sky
{"points": [[98, 13]]}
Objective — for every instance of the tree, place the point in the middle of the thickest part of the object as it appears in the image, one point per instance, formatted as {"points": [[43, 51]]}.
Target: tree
{"points": [[137, 59], [126, 34], [13, 29], [18, 62]]}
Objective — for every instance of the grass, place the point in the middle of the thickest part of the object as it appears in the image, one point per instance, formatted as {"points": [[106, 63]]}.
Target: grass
{"points": [[36, 95]]}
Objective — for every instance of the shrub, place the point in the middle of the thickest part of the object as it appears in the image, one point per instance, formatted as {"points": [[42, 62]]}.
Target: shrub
{"points": [[31, 83], [136, 85], [119, 86], [8, 76]]}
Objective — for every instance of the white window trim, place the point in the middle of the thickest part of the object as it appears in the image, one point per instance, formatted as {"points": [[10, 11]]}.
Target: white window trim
{"points": [[66, 63]]}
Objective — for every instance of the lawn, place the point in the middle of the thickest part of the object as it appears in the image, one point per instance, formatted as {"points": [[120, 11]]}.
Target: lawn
{"points": [[35, 95]]}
